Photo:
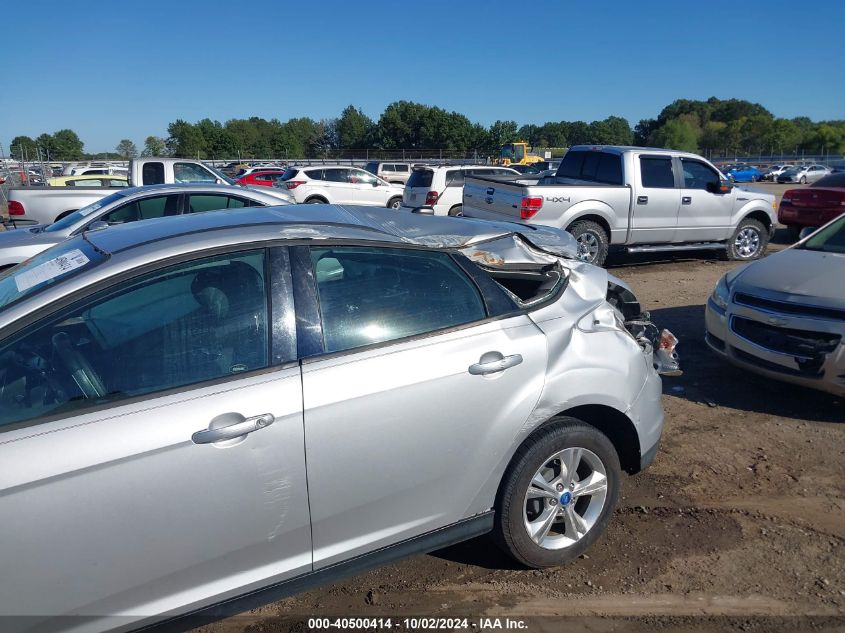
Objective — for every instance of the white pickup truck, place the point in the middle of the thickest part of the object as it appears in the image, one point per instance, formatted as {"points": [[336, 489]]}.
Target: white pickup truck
{"points": [[45, 205], [640, 199]]}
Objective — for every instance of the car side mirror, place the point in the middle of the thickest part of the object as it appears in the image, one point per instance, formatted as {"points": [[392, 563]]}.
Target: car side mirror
{"points": [[721, 187]]}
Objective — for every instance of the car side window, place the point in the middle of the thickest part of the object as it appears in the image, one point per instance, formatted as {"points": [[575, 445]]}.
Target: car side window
{"points": [[361, 177], [152, 174], [656, 172], [148, 208], [213, 202], [184, 324], [188, 172], [698, 175], [455, 178], [336, 175], [316, 174], [374, 295]]}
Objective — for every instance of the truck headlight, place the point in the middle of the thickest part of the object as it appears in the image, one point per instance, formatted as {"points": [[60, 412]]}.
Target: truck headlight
{"points": [[721, 293]]}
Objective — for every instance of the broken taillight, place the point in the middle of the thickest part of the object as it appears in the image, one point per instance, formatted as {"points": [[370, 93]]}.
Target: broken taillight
{"points": [[529, 207]]}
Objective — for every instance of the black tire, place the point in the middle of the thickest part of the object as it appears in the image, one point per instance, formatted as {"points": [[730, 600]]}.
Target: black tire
{"points": [[793, 232], [395, 202], [748, 242], [512, 505], [592, 240], [803, 180], [457, 211], [316, 200]]}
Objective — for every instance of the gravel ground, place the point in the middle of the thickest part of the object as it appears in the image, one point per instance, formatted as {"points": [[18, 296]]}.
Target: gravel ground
{"points": [[738, 525]]}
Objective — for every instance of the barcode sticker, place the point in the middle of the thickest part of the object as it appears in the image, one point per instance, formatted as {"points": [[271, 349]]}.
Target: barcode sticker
{"points": [[50, 269]]}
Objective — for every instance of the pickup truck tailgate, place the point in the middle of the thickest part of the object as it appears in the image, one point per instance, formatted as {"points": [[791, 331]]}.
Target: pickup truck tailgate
{"points": [[484, 196]]}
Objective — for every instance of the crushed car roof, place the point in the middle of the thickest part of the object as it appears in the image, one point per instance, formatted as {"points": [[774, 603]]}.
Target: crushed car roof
{"points": [[326, 221]]}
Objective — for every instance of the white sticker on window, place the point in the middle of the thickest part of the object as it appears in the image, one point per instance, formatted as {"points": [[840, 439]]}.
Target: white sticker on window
{"points": [[50, 269], [89, 210]]}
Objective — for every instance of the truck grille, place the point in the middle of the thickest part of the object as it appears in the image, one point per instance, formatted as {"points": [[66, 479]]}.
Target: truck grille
{"points": [[785, 307], [807, 347]]}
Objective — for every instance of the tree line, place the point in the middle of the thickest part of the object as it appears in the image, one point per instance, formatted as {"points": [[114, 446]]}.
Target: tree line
{"points": [[715, 125]]}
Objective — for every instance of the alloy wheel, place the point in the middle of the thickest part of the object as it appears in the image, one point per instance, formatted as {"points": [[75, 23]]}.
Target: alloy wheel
{"points": [[588, 247], [565, 498], [747, 243]]}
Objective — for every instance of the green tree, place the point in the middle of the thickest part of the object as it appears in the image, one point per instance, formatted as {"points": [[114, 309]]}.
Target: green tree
{"points": [[578, 133], [354, 129], [154, 146], [23, 148], [680, 134], [185, 140], [45, 147], [499, 133], [643, 131], [66, 146], [126, 149], [613, 130]]}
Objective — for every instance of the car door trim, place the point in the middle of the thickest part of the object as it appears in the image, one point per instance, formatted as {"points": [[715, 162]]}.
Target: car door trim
{"points": [[430, 541]]}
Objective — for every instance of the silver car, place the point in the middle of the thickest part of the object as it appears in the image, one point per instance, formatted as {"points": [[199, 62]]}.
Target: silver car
{"points": [[204, 413], [803, 174], [129, 205], [784, 316]]}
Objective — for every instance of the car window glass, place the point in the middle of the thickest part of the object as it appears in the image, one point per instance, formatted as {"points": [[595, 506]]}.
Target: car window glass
{"points": [[152, 173], [88, 182], [697, 175], [454, 178], [336, 175], [313, 174], [422, 178], [361, 177], [656, 172], [373, 295], [189, 172], [154, 207], [117, 182], [211, 202], [182, 325]]}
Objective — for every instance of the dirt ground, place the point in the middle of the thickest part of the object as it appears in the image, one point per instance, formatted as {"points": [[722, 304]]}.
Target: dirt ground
{"points": [[738, 525]]}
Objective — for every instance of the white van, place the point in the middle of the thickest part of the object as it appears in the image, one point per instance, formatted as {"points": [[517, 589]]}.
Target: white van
{"points": [[441, 187]]}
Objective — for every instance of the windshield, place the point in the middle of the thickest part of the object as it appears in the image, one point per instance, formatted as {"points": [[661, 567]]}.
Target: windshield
{"points": [[47, 268], [220, 175], [830, 239], [74, 218]]}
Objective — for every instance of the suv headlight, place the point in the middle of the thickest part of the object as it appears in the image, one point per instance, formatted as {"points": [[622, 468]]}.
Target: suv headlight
{"points": [[721, 293]]}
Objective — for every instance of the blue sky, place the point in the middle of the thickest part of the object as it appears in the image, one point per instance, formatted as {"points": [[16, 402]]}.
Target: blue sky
{"points": [[112, 70]]}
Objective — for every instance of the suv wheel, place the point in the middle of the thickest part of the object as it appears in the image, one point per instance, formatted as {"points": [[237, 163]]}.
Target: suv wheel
{"points": [[315, 200], [558, 494], [749, 241], [394, 203], [592, 241], [457, 211]]}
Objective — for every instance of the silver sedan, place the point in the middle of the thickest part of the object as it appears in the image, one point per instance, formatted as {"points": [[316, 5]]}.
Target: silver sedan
{"points": [[784, 316], [130, 205], [204, 413]]}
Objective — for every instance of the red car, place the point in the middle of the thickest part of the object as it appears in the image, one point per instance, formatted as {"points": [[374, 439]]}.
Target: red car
{"points": [[264, 178], [813, 206]]}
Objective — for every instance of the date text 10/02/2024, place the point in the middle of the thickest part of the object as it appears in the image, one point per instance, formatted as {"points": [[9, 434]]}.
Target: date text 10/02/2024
{"points": [[417, 623]]}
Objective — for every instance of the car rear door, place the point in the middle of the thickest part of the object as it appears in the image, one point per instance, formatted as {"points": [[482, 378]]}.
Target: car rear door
{"points": [[125, 489], [704, 216], [657, 200], [403, 428]]}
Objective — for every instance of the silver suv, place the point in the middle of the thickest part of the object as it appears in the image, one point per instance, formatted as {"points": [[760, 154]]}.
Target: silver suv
{"points": [[220, 408]]}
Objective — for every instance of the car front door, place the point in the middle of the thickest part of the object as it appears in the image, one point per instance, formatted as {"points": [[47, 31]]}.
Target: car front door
{"points": [[403, 427], [125, 488], [656, 201], [704, 216], [367, 188]]}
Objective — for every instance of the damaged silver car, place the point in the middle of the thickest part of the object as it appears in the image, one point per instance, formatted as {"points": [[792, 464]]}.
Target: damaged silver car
{"points": [[204, 413], [784, 316]]}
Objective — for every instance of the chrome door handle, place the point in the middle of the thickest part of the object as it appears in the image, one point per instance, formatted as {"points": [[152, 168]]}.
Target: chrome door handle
{"points": [[492, 362], [642, 199], [686, 200], [231, 425]]}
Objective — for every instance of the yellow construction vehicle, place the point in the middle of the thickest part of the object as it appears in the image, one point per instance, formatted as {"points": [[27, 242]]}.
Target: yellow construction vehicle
{"points": [[516, 154]]}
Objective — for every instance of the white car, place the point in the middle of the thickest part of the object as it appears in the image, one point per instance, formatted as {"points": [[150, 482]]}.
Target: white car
{"points": [[339, 184], [441, 188]]}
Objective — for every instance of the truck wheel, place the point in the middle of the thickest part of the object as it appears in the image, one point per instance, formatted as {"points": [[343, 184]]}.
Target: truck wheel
{"points": [[592, 241], [749, 241], [558, 494]]}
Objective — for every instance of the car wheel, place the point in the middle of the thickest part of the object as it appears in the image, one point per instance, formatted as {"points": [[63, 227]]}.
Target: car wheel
{"points": [[558, 494], [803, 180], [315, 201], [592, 241], [457, 211], [394, 203], [749, 241]]}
